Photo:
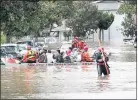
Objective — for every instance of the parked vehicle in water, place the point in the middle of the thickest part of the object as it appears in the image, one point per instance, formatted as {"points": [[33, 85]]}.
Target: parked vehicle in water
{"points": [[8, 57], [26, 43], [11, 48], [30, 43], [135, 42]]}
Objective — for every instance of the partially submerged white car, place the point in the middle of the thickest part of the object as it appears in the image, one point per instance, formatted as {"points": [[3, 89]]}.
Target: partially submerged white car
{"points": [[11, 47]]}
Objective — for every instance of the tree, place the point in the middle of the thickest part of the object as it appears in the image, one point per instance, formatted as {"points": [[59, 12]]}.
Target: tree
{"points": [[3, 38], [22, 18], [84, 19], [16, 17], [87, 19], [128, 8], [105, 21]]}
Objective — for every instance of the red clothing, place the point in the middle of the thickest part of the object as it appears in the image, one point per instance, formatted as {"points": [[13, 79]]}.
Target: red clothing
{"points": [[11, 60], [30, 55], [75, 45], [68, 52], [81, 45], [85, 57]]}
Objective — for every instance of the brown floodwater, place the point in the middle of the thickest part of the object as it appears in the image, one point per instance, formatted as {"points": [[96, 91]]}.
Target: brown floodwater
{"points": [[68, 82]]}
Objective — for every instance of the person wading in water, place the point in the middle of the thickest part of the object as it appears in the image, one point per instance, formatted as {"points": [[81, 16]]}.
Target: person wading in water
{"points": [[101, 59]]}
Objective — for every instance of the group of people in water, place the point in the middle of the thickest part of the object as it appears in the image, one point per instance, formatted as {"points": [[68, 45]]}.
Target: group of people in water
{"points": [[77, 53]]}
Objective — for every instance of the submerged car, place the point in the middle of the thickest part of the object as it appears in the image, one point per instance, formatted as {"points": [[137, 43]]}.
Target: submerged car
{"points": [[11, 48], [30, 43], [7, 57], [135, 42]]}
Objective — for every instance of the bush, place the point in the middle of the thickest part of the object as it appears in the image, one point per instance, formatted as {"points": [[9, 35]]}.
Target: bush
{"points": [[3, 38]]}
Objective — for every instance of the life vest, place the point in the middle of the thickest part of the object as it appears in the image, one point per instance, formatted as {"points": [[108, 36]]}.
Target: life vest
{"points": [[81, 45], [30, 55], [85, 57]]}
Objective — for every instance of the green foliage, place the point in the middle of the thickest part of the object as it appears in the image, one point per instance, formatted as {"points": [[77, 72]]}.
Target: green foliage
{"points": [[21, 18], [3, 38], [84, 19], [87, 18], [105, 21], [18, 17], [129, 28], [129, 9]]}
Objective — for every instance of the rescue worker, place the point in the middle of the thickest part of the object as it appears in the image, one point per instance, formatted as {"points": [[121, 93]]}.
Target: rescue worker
{"points": [[81, 44], [85, 55], [101, 59], [75, 44], [30, 56]]}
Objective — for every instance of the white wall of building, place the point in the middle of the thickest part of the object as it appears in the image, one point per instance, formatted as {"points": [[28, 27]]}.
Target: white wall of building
{"points": [[115, 32]]}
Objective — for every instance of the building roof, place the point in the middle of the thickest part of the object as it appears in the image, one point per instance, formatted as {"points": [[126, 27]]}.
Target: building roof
{"points": [[61, 29], [107, 5]]}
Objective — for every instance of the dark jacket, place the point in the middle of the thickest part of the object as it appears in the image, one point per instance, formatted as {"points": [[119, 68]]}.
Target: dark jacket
{"points": [[59, 59], [42, 58], [99, 58]]}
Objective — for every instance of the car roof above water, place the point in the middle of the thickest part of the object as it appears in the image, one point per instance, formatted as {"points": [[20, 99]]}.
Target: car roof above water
{"points": [[9, 44]]}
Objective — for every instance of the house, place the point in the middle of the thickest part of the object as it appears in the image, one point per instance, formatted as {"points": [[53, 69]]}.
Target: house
{"points": [[60, 30], [113, 33]]}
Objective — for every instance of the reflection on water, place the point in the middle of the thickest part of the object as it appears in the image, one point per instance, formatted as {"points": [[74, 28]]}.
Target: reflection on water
{"points": [[52, 82]]}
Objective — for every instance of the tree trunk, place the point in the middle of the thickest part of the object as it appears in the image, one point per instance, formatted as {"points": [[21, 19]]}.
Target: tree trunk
{"points": [[68, 38], [8, 39], [102, 35], [93, 37], [51, 25]]}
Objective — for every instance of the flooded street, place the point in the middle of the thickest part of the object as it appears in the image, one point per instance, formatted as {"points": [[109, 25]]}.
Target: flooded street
{"points": [[73, 82]]}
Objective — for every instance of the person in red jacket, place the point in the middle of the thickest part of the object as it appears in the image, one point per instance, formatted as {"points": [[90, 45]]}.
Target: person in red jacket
{"points": [[75, 43], [81, 44], [85, 55], [30, 56]]}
